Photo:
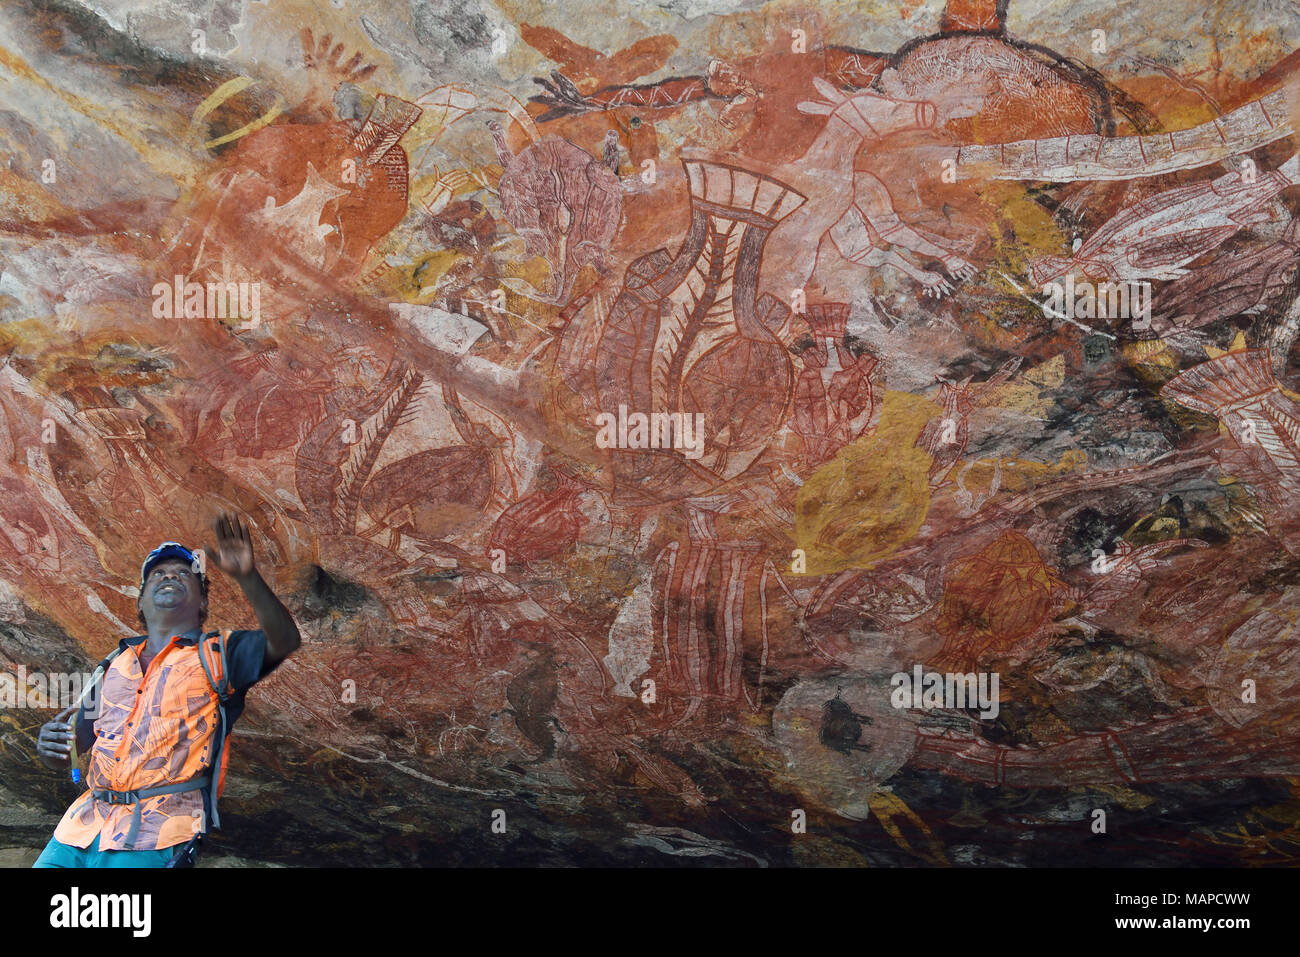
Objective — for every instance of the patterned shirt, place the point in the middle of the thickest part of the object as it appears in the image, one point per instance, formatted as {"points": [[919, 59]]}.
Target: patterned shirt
{"points": [[157, 727]]}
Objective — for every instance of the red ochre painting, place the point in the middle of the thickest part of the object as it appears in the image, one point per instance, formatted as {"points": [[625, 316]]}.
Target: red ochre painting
{"points": [[709, 433]]}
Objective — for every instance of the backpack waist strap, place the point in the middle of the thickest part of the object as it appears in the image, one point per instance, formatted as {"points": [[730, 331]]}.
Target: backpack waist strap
{"points": [[137, 796]]}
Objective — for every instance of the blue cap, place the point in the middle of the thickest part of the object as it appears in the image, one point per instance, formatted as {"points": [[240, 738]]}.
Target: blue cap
{"points": [[169, 550]]}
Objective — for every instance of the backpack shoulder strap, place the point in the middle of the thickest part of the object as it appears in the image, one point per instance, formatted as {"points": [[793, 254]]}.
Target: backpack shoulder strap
{"points": [[96, 679], [218, 678], [216, 668]]}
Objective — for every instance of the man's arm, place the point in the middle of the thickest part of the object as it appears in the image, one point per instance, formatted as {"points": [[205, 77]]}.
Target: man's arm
{"points": [[282, 638], [233, 554], [54, 741]]}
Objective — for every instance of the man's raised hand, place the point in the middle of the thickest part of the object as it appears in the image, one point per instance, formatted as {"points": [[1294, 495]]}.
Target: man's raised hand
{"points": [[233, 553]]}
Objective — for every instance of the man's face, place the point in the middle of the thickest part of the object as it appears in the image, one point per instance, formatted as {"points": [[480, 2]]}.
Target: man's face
{"points": [[172, 590]]}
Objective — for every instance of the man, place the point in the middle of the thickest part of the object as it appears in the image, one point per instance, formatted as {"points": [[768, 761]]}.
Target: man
{"points": [[163, 713]]}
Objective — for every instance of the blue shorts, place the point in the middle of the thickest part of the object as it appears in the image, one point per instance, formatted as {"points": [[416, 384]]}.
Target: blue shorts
{"points": [[58, 854]]}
